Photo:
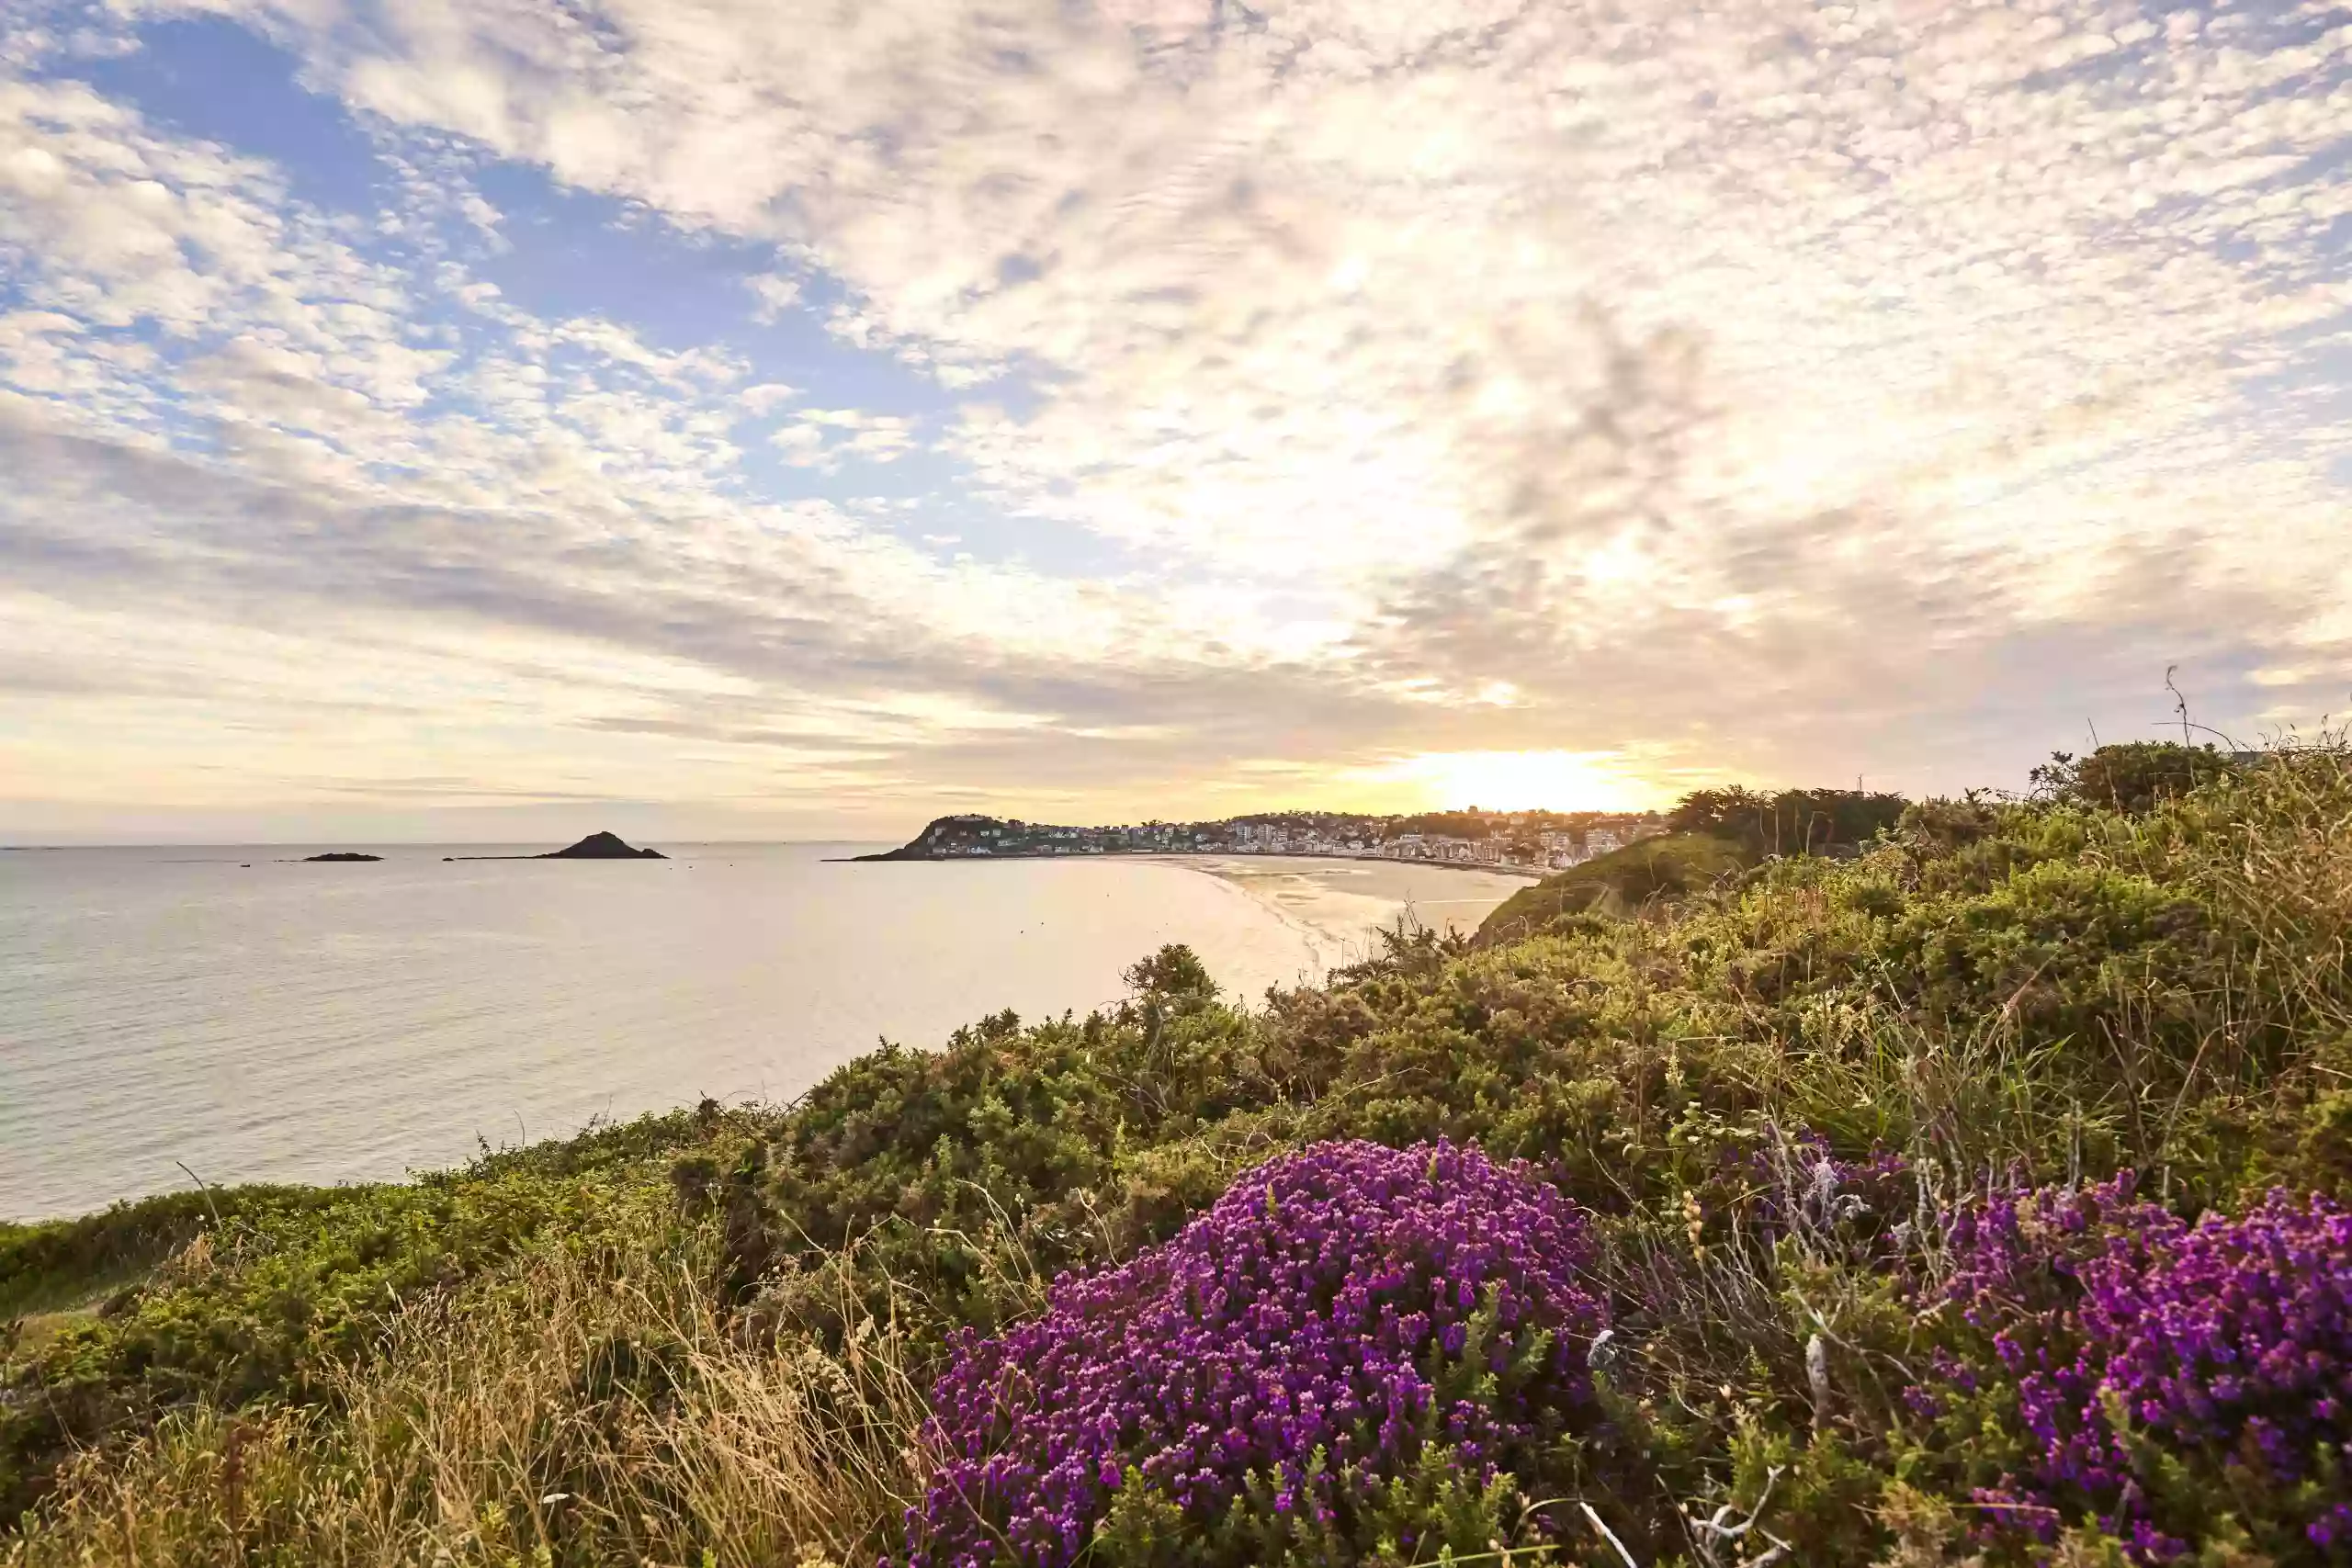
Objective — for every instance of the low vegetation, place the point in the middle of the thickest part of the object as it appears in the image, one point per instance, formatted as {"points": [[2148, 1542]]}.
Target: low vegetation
{"points": [[1957, 1187], [1711, 837], [1644, 874]]}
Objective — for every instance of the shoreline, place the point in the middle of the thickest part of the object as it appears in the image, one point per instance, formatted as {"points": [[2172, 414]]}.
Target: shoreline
{"points": [[1314, 895], [1179, 856]]}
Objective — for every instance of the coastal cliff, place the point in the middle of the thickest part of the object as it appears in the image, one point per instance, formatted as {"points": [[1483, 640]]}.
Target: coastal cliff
{"points": [[1714, 1217]]}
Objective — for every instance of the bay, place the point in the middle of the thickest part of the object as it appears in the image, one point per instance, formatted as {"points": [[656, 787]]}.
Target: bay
{"points": [[252, 1018]]}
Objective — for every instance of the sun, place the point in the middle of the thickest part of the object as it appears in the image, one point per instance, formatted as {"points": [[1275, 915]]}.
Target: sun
{"points": [[1529, 781]]}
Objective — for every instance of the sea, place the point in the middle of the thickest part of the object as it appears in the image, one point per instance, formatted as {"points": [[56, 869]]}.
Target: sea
{"points": [[234, 1014]]}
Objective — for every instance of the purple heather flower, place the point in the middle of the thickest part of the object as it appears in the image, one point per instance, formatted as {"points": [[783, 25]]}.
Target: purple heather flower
{"points": [[2229, 1339], [1312, 1320]]}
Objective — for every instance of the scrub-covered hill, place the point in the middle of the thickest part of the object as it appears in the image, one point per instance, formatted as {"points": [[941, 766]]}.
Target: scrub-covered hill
{"points": [[1642, 875], [1969, 1198], [1710, 837]]}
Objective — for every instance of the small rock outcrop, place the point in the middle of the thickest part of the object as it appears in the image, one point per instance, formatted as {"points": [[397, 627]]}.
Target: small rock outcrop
{"points": [[339, 855], [603, 846]]}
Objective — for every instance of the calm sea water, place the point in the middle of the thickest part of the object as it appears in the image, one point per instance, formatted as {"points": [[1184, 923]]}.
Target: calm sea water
{"points": [[258, 1019]]}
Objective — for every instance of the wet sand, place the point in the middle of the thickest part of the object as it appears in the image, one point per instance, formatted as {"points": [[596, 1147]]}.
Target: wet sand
{"points": [[1342, 905]]}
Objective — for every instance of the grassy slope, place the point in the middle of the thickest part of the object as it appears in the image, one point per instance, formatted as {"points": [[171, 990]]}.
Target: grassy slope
{"points": [[1621, 882], [707, 1334]]}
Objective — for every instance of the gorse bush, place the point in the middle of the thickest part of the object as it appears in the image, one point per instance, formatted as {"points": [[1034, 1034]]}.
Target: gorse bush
{"points": [[1773, 1105], [1260, 1382]]}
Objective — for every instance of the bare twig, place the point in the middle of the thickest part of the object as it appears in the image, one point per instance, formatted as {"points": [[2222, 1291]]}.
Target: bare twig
{"points": [[1609, 1535], [206, 1189]]}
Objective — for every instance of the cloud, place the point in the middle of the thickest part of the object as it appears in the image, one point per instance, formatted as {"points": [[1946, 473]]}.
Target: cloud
{"points": [[821, 439], [1920, 378], [773, 295], [1271, 217]]}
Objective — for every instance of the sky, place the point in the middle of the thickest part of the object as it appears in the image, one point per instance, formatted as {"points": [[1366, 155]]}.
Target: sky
{"points": [[492, 419]]}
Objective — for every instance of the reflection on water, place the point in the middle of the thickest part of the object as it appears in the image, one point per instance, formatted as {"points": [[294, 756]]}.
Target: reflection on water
{"points": [[262, 1019]]}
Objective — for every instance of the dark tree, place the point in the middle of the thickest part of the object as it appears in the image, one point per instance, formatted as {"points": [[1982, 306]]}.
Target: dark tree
{"points": [[1790, 822]]}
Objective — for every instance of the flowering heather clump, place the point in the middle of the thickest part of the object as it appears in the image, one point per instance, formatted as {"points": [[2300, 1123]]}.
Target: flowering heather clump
{"points": [[1335, 1317], [2160, 1370]]}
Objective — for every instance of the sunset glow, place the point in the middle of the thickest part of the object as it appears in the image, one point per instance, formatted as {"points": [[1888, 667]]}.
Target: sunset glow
{"points": [[1524, 781], [427, 419]]}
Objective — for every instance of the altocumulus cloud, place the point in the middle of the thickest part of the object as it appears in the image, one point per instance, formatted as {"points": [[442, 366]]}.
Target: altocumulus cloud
{"points": [[1147, 404]]}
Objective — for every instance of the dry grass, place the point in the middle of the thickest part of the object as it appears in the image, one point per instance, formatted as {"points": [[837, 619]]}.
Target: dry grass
{"points": [[587, 1411]]}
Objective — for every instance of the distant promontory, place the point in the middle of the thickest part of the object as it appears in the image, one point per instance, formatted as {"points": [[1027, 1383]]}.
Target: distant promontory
{"points": [[1526, 844], [338, 856]]}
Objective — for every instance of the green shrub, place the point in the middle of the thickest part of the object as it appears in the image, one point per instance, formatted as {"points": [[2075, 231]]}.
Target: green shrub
{"points": [[2134, 777]]}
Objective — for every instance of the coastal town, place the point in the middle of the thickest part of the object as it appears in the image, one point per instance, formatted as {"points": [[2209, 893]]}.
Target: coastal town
{"points": [[1528, 842]]}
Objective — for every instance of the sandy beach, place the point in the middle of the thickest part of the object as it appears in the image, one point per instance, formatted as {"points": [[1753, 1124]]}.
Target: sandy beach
{"points": [[1341, 905]]}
